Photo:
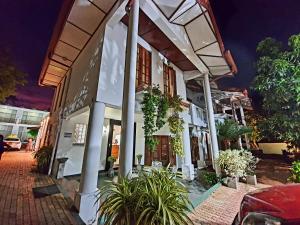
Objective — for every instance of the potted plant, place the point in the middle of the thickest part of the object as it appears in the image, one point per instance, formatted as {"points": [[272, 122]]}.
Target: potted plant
{"points": [[151, 198], [43, 158], [139, 158], [251, 162], [111, 160], [233, 166], [229, 131]]}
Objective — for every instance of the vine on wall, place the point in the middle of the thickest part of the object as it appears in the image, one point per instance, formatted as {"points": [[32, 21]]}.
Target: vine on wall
{"points": [[176, 125], [155, 107]]}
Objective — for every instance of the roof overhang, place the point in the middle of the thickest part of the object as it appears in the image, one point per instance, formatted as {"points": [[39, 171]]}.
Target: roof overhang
{"points": [[77, 22], [198, 21]]}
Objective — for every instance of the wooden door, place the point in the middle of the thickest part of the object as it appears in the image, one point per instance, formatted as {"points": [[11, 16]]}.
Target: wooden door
{"points": [[195, 150], [162, 153]]}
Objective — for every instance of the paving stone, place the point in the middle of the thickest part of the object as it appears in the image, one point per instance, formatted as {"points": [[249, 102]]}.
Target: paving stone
{"points": [[18, 205], [221, 207]]}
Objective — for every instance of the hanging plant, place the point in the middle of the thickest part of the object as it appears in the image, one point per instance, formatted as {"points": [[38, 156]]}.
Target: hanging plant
{"points": [[176, 125], [155, 107], [162, 109]]}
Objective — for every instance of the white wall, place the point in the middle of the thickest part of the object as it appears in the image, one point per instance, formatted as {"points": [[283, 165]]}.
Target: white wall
{"points": [[272, 148], [84, 75], [66, 148], [110, 90]]}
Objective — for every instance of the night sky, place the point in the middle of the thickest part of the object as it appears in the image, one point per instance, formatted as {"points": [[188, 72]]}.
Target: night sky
{"points": [[26, 28]]}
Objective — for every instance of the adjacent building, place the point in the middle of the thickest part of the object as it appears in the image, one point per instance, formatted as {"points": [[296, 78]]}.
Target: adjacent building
{"points": [[101, 57], [17, 121]]}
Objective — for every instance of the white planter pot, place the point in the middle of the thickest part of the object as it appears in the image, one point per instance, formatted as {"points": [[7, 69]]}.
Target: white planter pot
{"points": [[232, 182], [251, 179]]}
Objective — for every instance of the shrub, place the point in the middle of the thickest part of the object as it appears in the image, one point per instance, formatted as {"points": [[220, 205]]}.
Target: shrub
{"points": [[43, 157], [153, 199], [295, 177], [236, 163], [209, 179]]}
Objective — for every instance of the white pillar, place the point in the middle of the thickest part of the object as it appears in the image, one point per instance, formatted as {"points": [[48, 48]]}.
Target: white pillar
{"points": [[211, 118], [187, 166], [239, 141], [128, 106], [201, 147], [85, 199], [244, 123]]}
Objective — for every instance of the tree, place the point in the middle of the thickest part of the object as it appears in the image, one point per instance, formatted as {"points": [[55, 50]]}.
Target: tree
{"points": [[278, 82], [10, 76], [229, 131]]}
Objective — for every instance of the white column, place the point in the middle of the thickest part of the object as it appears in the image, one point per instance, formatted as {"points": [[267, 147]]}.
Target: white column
{"points": [[201, 147], [85, 199], [187, 166], [239, 141], [211, 118], [128, 106], [244, 123]]}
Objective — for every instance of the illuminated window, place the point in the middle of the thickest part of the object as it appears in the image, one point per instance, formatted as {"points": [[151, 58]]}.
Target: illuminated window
{"points": [[143, 68], [169, 81], [79, 133]]}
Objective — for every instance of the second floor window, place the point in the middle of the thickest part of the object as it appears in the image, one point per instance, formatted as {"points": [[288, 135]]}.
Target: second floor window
{"points": [[169, 81], [143, 68]]}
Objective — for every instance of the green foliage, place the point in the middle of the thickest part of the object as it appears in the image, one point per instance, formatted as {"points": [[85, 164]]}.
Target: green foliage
{"points": [[230, 130], [295, 177], [176, 125], [253, 120], [278, 82], [236, 163], [111, 159], [43, 157], [210, 178], [10, 76], [153, 199], [176, 129], [139, 157], [155, 106], [33, 133]]}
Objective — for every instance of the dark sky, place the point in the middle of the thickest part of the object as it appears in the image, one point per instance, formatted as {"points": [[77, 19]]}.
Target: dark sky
{"points": [[26, 27], [243, 23]]}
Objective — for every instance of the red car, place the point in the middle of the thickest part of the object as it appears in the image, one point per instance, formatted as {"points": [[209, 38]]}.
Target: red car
{"points": [[279, 205]]}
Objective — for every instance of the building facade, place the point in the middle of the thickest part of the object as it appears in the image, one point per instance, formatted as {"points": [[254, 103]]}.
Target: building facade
{"points": [[16, 121], [101, 57]]}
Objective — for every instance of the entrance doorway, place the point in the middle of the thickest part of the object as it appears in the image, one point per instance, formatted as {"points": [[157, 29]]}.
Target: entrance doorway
{"points": [[114, 140], [195, 150], [162, 153]]}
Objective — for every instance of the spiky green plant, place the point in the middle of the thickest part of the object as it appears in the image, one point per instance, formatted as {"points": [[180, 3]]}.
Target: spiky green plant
{"points": [[43, 157], [153, 199], [229, 130]]}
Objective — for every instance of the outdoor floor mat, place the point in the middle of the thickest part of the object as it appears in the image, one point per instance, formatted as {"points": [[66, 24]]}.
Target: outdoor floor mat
{"points": [[40, 192]]}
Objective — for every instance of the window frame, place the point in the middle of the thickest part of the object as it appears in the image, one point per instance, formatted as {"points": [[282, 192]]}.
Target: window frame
{"points": [[143, 68], [169, 77], [80, 131]]}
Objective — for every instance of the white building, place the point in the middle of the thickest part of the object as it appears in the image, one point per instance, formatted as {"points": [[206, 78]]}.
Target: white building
{"points": [[16, 121], [94, 44]]}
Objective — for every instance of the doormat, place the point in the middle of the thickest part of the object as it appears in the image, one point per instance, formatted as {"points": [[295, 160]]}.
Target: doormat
{"points": [[40, 192]]}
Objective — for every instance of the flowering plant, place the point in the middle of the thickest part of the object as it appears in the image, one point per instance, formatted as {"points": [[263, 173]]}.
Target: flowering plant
{"points": [[236, 163]]}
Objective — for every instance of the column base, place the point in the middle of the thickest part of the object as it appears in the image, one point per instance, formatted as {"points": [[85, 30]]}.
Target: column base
{"points": [[87, 207], [188, 172]]}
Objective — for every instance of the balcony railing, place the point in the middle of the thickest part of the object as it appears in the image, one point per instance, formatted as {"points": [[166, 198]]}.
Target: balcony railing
{"points": [[31, 121], [197, 115]]}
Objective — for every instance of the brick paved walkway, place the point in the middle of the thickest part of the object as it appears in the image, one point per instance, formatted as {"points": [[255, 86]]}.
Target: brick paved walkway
{"points": [[18, 206], [222, 206]]}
